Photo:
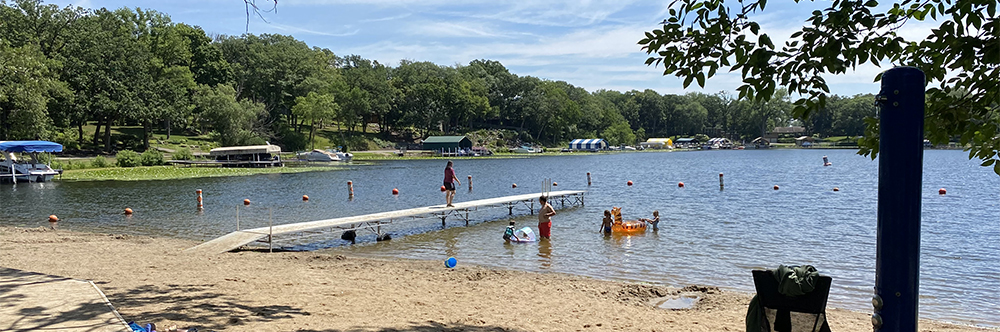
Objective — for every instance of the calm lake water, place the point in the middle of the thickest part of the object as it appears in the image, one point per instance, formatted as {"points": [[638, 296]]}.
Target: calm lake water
{"points": [[706, 236]]}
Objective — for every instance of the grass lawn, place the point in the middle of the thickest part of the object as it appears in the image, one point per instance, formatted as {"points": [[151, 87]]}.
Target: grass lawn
{"points": [[171, 172]]}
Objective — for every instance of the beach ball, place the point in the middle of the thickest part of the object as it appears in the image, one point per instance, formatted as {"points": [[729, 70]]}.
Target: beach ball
{"points": [[450, 262]]}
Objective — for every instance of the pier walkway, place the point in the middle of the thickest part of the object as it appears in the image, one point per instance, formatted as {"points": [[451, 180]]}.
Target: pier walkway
{"points": [[373, 222]]}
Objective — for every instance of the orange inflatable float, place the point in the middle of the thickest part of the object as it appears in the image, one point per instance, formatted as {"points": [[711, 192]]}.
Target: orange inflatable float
{"points": [[625, 226]]}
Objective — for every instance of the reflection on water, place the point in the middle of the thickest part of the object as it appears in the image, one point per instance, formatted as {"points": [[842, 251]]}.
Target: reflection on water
{"points": [[748, 225], [545, 253]]}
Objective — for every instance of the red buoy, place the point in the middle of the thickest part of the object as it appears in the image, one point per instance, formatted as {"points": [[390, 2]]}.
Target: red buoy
{"points": [[775, 187], [836, 189], [53, 218], [128, 211], [554, 184], [680, 184], [246, 202], [513, 185], [629, 182], [395, 191], [443, 188], [305, 197], [942, 191]]}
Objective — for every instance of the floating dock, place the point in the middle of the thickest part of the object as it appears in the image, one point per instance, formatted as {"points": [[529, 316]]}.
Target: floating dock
{"points": [[373, 222]]}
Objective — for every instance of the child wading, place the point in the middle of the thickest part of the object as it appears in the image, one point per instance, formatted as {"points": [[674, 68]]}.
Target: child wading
{"points": [[607, 222], [509, 233], [655, 221]]}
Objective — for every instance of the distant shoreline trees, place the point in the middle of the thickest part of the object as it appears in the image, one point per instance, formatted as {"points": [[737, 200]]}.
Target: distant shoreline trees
{"points": [[69, 68]]}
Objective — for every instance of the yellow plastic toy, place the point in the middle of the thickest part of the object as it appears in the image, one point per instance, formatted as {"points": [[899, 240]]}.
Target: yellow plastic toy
{"points": [[627, 226]]}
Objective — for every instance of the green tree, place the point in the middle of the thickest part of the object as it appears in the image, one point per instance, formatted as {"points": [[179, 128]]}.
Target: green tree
{"points": [[619, 134], [29, 82], [315, 108], [107, 67], [372, 78], [235, 122], [962, 54]]}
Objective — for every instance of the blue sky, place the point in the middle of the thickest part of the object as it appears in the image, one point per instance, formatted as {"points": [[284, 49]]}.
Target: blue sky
{"points": [[588, 43]]}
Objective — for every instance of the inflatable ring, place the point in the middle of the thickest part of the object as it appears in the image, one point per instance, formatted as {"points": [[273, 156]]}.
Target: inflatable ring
{"points": [[625, 226], [628, 226]]}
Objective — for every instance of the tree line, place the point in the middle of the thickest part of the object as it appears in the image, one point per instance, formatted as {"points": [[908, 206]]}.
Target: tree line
{"points": [[67, 68]]}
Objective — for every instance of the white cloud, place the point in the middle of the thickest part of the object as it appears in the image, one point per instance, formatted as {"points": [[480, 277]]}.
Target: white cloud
{"points": [[298, 30], [390, 18], [452, 29]]}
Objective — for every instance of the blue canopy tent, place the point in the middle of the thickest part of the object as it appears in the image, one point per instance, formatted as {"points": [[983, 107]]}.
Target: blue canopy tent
{"points": [[590, 144], [30, 146]]}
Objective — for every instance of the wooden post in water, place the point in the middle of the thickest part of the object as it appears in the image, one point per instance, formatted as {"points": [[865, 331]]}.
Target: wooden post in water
{"points": [[588, 178]]}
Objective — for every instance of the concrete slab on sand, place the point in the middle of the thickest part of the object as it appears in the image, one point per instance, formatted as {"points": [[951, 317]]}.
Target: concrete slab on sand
{"points": [[33, 301]]}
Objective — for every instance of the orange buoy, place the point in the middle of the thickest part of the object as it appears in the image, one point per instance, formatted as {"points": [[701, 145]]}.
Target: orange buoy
{"points": [[629, 182], [836, 189], [775, 187], [443, 188], [395, 191], [554, 184], [305, 197], [128, 211], [680, 184], [513, 185], [942, 191], [53, 218], [246, 202]]}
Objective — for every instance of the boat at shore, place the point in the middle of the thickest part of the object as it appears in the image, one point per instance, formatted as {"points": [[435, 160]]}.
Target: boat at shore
{"points": [[13, 169], [324, 156]]}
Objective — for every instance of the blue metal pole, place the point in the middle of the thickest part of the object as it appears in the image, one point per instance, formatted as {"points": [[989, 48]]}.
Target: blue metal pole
{"points": [[900, 167]]}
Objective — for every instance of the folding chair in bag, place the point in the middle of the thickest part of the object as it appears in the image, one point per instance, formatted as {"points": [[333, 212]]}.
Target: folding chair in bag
{"points": [[803, 313]]}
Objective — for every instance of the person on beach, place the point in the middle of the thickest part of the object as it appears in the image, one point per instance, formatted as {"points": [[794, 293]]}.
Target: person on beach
{"points": [[606, 224], [545, 218], [655, 221], [449, 183]]}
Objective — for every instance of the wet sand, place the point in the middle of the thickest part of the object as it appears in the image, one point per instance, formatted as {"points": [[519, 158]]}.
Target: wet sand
{"points": [[150, 280]]}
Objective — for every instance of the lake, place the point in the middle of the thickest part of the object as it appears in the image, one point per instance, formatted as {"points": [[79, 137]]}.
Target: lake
{"points": [[707, 236]]}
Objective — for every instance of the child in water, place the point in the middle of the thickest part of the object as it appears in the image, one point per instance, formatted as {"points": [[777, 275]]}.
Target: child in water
{"points": [[606, 223], [509, 233], [655, 221]]}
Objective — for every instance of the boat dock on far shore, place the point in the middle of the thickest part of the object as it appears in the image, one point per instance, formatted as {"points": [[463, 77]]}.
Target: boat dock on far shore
{"points": [[375, 221]]}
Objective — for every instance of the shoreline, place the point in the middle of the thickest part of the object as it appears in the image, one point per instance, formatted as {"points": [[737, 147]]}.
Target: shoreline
{"points": [[149, 280], [173, 172]]}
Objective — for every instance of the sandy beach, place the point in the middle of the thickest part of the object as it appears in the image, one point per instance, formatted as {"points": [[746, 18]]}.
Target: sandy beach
{"points": [[150, 280]]}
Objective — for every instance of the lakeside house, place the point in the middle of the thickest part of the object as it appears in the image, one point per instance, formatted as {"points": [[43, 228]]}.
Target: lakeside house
{"points": [[761, 143], [247, 156], [588, 144], [687, 143], [773, 135], [446, 143], [805, 141], [719, 143], [657, 143]]}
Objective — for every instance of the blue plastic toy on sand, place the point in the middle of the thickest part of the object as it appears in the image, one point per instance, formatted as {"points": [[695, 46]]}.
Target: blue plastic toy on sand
{"points": [[450, 262]]}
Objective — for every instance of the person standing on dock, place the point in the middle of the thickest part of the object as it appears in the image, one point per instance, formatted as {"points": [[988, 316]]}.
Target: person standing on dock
{"points": [[449, 183], [545, 218]]}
